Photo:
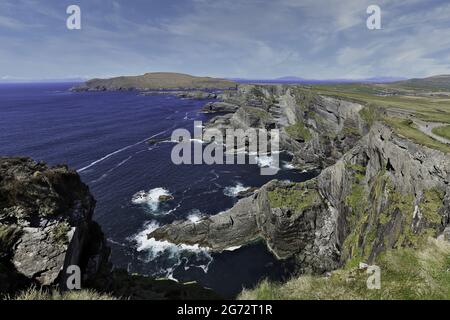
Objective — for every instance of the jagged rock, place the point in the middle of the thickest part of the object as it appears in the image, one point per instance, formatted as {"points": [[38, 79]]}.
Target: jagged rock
{"points": [[228, 229], [52, 209], [380, 195], [46, 225], [332, 126], [247, 193], [165, 198], [222, 107], [197, 95]]}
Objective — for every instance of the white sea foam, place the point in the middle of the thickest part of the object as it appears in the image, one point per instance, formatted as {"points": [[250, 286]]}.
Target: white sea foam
{"points": [[233, 191], [233, 248], [176, 253], [195, 216], [266, 162], [150, 198], [109, 155], [288, 166]]}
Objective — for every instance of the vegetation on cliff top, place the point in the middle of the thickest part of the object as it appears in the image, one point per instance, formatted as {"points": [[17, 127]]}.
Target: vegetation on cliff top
{"points": [[406, 273], [299, 132], [297, 197], [396, 106], [158, 80], [380, 218], [406, 128], [59, 233]]}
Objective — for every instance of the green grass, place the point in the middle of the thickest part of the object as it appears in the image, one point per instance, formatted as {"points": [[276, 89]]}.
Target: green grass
{"points": [[298, 132], [59, 233], [406, 128], [297, 197], [370, 114], [431, 205], [405, 274], [443, 131], [427, 108]]}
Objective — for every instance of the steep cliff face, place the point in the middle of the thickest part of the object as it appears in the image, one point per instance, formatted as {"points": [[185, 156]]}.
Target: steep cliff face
{"points": [[317, 129], [46, 223], [384, 193], [390, 193]]}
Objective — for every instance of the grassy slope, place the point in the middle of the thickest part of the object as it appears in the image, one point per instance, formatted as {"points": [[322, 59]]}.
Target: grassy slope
{"points": [[405, 274], [441, 82], [442, 131], [407, 129], [426, 108]]}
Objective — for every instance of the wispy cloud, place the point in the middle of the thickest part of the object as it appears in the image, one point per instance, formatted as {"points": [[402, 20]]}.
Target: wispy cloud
{"points": [[252, 38]]}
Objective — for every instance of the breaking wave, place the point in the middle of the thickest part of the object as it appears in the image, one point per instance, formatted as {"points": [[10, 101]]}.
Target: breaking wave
{"points": [[233, 191], [168, 256], [150, 198]]}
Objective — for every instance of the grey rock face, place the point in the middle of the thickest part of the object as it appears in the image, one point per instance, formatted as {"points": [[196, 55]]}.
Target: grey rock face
{"points": [[52, 211], [305, 233], [385, 192], [222, 107], [228, 229], [333, 125]]}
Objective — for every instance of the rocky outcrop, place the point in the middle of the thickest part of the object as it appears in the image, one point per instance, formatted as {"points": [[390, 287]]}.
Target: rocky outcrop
{"points": [[316, 129], [46, 225], [292, 219], [196, 94], [219, 107], [386, 192], [50, 211], [219, 232]]}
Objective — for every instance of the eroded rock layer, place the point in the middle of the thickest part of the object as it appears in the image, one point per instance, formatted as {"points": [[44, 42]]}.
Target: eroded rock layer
{"points": [[378, 190]]}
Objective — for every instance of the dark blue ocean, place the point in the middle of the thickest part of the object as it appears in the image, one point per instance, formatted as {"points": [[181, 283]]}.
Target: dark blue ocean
{"points": [[104, 136]]}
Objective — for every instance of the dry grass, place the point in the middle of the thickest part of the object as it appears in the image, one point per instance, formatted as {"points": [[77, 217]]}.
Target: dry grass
{"points": [[405, 274], [41, 294]]}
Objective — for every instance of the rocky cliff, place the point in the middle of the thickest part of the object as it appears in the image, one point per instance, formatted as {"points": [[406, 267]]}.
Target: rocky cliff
{"points": [[378, 190], [317, 129], [46, 225]]}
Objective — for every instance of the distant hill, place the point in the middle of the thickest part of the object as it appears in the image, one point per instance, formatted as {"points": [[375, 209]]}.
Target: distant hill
{"points": [[298, 80], [156, 81], [290, 78], [440, 82]]}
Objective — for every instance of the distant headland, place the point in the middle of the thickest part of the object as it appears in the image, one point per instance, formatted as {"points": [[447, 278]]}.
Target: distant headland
{"points": [[156, 81]]}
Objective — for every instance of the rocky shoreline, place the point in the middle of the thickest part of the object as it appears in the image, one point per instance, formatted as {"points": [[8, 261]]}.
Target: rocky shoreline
{"points": [[377, 190], [46, 225]]}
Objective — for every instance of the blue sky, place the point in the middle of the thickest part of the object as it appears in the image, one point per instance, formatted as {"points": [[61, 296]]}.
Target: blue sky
{"points": [[319, 39]]}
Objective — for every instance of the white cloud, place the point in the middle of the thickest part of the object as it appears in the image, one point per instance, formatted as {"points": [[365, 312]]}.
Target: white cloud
{"points": [[252, 38]]}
